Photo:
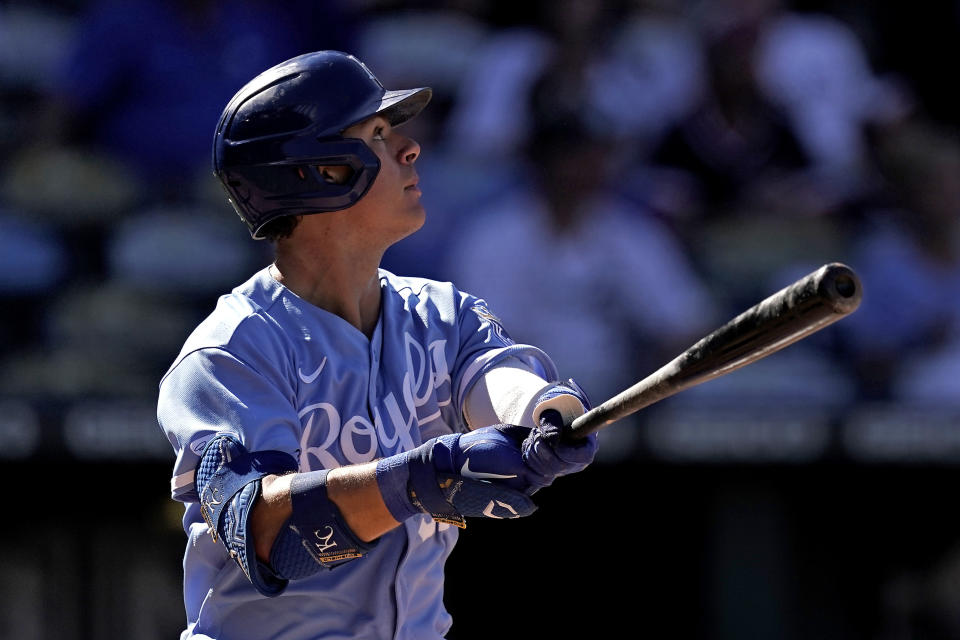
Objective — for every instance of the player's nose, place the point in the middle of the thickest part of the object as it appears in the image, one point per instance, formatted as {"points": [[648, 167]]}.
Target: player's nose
{"points": [[409, 151]]}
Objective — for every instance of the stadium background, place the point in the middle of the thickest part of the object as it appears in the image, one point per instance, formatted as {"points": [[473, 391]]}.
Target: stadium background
{"points": [[811, 495]]}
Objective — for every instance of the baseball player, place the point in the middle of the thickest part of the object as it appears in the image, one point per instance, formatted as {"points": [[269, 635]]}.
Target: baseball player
{"points": [[335, 424]]}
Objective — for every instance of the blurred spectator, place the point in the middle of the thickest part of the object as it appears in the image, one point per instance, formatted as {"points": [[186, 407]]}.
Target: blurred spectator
{"points": [[782, 126], [653, 74], [69, 185], [34, 38], [736, 148], [816, 68], [605, 288], [488, 107], [33, 42], [32, 260], [760, 176], [147, 79], [628, 80], [432, 43], [184, 251], [491, 107], [906, 335], [100, 340], [757, 111]]}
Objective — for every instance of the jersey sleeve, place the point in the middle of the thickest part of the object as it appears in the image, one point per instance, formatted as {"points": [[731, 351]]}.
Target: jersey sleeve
{"points": [[505, 394], [485, 344], [212, 391]]}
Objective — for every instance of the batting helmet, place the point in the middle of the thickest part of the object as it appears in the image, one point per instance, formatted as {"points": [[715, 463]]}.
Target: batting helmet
{"points": [[289, 120]]}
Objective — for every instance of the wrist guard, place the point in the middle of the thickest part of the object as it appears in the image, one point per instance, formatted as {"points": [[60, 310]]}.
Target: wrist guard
{"points": [[319, 528]]}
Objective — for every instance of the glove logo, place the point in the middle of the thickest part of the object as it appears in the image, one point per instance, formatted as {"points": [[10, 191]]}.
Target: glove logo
{"points": [[325, 540], [209, 501], [197, 446], [488, 512], [467, 472]]}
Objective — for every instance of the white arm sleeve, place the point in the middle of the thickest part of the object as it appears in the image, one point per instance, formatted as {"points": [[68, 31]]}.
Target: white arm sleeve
{"points": [[507, 394]]}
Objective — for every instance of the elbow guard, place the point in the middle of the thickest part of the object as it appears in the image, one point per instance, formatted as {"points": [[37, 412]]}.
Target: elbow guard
{"points": [[228, 482]]}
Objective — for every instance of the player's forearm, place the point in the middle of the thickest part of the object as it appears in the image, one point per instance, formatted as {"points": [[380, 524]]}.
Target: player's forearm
{"points": [[352, 488], [355, 491]]}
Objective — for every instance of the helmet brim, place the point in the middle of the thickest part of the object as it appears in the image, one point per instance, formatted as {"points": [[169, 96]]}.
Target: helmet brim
{"points": [[402, 105]]}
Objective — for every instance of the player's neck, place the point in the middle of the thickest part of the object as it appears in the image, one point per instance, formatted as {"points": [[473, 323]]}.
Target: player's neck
{"points": [[345, 285]]}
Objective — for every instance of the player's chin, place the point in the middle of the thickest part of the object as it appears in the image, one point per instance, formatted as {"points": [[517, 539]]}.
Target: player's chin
{"points": [[420, 217], [416, 208], [413, 219]]}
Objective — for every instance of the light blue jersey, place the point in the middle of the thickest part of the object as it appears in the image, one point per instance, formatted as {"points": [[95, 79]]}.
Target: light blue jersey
{"points": [[288, 376]]}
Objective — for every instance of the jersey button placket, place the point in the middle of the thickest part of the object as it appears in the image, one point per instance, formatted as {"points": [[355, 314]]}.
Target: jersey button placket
{"points": [[372, 395]]}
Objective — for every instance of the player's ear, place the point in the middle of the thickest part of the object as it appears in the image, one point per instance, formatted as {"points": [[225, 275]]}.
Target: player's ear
{"points": [[335, 174]]}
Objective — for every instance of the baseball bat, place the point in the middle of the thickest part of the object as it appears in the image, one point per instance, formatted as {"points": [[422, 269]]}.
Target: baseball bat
{"points": [[808, 305]]}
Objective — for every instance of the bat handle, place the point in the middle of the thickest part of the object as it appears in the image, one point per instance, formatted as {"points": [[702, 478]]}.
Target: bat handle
{"points": [[593, 420]]}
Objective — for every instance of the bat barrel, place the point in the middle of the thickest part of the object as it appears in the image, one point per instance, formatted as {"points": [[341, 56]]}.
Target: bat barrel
{"points": [[819, 299]]}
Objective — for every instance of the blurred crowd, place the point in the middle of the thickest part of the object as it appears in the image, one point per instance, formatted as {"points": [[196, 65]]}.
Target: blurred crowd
{"points": [[615, 178]]}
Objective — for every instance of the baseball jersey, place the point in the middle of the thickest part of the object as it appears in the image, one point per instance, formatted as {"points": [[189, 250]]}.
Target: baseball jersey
{"points": [[285, 375]]}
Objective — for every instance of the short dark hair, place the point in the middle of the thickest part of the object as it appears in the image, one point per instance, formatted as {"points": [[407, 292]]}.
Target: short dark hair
{"points": [[279, 228]]}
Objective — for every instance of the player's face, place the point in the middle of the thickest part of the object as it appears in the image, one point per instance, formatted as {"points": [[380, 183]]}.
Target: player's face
{"points": [[392, 205]]}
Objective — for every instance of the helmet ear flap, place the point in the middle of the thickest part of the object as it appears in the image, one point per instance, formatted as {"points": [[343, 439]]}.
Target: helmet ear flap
{"points": [[261, 192], [335, 173]]}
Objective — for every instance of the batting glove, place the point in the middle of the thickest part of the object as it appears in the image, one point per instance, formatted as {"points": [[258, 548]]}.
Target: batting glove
{"points": [[545, 450], [476, 474]]}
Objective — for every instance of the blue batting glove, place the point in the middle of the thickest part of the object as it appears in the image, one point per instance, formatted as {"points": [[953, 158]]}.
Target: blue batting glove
{"points": [[491, 453], [476, 474], [545, 450]]}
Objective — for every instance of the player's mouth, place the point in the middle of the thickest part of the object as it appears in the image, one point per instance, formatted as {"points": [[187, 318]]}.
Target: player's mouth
{"points": [[413, 186]]}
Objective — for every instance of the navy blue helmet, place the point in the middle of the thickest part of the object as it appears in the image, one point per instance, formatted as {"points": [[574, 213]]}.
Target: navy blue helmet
{"points": [[289, 120]]}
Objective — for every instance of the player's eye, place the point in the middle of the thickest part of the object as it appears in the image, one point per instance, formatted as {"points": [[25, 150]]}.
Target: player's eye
{"points": [[378, 134]]}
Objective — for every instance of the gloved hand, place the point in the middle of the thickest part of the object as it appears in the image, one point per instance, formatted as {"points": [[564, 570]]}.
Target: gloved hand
{"points": [[492, 453], [545, 450], [476, 474], [489, 472]]}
